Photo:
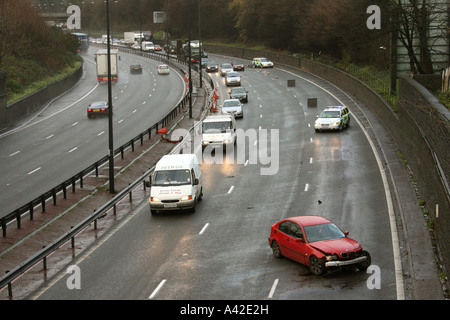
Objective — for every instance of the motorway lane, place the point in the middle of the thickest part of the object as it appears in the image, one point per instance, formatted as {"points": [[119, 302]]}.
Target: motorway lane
{"points": [[61, 141], [221, 251]]}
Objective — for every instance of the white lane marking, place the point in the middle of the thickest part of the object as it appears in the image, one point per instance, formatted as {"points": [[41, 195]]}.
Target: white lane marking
{"points": [[72, 150], [14, 153], [310, 160], [157, 289], [101, 133], [272, 290], [50, 136], [37, 169], [75, 123], [306, 187], [120, 121], [204, 228], [231, 189]]}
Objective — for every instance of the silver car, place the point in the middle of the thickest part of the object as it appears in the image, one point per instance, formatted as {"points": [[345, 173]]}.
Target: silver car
{"points": [[234, 107], [233, 79], [224, 68]]}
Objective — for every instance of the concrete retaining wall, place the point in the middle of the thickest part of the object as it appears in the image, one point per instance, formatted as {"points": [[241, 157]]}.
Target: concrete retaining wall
{"points": [[15, 111]]}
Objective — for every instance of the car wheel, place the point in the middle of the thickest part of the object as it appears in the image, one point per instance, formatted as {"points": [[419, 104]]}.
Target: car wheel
{"points": [[365, 264], [316, 265], [153, 211], [276, 249]]}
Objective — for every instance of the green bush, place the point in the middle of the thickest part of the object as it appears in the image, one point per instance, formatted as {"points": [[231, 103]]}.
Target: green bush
{"points": [[444, 98]]}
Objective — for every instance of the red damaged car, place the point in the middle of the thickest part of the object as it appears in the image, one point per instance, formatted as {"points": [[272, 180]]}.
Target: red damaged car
{"points": [[317, 243]]}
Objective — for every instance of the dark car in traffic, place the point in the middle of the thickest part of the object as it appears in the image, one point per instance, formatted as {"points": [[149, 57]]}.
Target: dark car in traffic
{"points": [[97, 108], [239, 93], [238, 66], [212, 66], [136, 68]]}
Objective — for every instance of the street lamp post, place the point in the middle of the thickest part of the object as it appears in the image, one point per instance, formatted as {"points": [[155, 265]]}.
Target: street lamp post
{"points": [[110, 107], [200, 46], [190, 60]]}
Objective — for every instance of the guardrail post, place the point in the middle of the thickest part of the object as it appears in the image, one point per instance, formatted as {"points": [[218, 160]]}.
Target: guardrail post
{"points": [[72, 240], [31, 208], [54, 196], [44, 261], [9, 287], [4, 227], [64, 189], [73, 184], [43, 203], [18, 218], [81, 179]]}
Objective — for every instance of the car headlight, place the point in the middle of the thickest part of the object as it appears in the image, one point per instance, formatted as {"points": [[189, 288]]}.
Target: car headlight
{"points": [[227, 141], [331, 257], [185, 198], [204, 142], [155, 199]]}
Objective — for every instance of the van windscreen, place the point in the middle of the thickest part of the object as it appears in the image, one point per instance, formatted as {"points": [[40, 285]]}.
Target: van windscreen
{"points": [[172, 177], [221, 126]]}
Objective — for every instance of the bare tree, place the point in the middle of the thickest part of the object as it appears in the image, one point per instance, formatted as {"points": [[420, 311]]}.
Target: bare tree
{"points": [[414, 21]]}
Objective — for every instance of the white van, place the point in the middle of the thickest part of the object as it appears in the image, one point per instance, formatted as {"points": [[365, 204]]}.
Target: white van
{"points": [[176, 183], [148, 46], [218, 130]]}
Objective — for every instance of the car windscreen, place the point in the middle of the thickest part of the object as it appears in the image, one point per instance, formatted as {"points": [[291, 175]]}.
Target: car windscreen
{"points": [[231, 104], [172, 177], [320, 232], [221, 126], [329, 114]]}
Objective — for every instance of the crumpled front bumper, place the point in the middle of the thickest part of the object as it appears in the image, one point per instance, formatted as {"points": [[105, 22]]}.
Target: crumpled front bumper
{"points": [[339, 263]]}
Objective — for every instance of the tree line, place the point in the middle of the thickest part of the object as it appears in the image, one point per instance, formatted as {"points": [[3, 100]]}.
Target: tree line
{"points": [[335, 28], [29, 49]]}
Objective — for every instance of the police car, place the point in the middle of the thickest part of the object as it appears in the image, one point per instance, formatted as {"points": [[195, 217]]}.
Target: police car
{"points": [[262, 63], [333, 118]]}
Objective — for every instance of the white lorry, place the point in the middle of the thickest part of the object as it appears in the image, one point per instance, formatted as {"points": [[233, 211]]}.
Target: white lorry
{"points": [[176, 183], [101, 58]]}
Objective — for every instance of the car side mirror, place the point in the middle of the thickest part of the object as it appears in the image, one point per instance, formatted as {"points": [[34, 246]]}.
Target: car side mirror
{"points": [[346, 233], [148, 184], [196, 182]]}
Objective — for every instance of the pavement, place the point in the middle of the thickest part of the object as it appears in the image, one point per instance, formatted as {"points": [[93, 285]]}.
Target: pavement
{"points": [[419, 267]]}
